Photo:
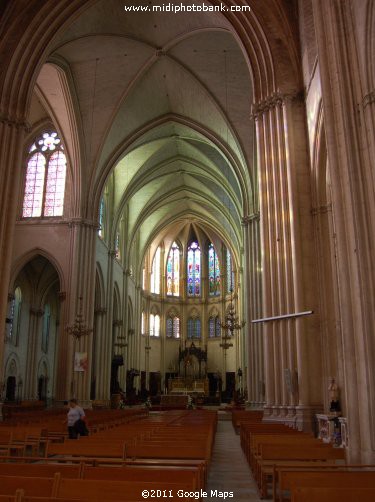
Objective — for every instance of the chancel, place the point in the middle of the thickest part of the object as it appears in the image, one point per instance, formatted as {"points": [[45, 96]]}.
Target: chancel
{"points": [[187, 210]]}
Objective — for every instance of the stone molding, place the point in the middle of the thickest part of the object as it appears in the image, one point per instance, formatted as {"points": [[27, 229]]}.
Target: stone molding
{"points": [[81, 222], [14, 122], [274, 100]]}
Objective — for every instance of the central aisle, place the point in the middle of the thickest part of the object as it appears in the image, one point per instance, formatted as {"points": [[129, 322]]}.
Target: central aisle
{"points": [[229, 470]]}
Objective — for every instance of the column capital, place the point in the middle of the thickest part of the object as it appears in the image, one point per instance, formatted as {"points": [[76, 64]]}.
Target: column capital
{"points": [[61, 296], [37, 312], [246, 220], [18, 123], [368, 99], [274, 100], [100, 311]]}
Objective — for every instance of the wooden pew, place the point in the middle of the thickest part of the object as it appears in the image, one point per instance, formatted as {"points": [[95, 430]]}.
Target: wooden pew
{"points": [[335, 480], [86, 449], [32, 486], [281, 454], [113, 490], [337, 494], [40, 470], [184, 475]]}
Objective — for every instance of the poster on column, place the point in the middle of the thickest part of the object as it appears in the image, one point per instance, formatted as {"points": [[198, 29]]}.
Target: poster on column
{"points": [[80, 361]]}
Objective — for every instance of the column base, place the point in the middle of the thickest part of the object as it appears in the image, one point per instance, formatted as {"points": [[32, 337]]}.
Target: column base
{"points": [[305, 417], [290, 419]]}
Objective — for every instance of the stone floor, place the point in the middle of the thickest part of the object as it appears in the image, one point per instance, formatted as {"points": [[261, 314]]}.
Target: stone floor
{"points": [[229, 470]]}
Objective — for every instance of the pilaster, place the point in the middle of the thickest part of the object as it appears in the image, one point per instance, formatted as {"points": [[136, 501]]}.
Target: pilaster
{"points": [[349, 126], [287, 257], [12, 132]]}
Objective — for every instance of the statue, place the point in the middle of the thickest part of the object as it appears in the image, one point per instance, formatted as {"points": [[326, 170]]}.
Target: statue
{"points": [[333, 391]]}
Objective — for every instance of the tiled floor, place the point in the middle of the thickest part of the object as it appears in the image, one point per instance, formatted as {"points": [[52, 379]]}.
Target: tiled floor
{"points": [[229, 470]]}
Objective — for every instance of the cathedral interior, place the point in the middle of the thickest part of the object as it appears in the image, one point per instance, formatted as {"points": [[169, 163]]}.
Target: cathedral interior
{"points": [[187, 204]]}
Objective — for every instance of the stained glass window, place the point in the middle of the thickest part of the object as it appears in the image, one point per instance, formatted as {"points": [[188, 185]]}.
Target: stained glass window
{"points": [[14, 316], [176, 327], [101, 217], [143, 279], [169, 327], [214, 328], [173, 327], [45, 178], [173, 271], [155, 273], [217, 327], [154, 325], [55, 186], [213, 272], [230, 273], [143, 323], [211, 327], [117, 246], [194, 328], [194, 270]]}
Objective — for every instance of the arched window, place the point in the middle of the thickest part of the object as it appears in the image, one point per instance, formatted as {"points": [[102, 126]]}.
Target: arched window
{"points": [[155, 273], [143, 323], [214, 328], [213, 272], [117, 245], [46, 327], [230, 273], [45, 178], [101, 217], [173, 271], [173, 327], [154, 325], [194, 270], [14, 319], [194, 328]]}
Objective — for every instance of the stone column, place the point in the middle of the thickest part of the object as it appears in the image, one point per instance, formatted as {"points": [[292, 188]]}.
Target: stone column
{"points": [[349, 125], [288, 283], [62, 386], [101, 391], [253, 305], [35, 329], [12, 132], [81, 284]]}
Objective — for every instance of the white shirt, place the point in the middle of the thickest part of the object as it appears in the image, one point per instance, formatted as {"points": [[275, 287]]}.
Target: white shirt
{"points": [[75, 414]]}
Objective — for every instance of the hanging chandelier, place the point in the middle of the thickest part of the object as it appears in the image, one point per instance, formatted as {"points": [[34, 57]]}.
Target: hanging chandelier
{"points": [[79, 328], [230, 325]]}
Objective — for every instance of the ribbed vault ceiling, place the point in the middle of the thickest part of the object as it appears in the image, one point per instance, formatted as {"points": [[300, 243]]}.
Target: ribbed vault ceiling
{"points": [[163, 105]]}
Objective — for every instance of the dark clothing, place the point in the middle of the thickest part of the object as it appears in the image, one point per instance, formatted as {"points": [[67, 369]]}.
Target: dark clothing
{"points": [[78, 428], [72, 432]]}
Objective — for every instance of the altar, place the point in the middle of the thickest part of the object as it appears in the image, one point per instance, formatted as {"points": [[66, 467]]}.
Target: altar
{"points": [[188, 385]]}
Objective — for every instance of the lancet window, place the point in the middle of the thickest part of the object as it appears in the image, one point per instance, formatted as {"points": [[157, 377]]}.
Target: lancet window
{"points": [[45, 178], [173, 271], [194, 328], [194, 270], [213, 272]]}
